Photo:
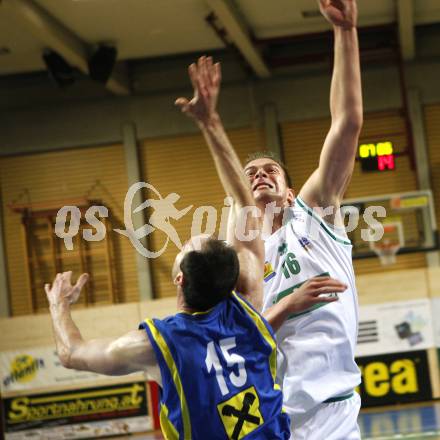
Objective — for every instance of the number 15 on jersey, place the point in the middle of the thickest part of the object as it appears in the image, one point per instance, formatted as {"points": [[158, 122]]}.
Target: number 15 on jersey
{"points": [[212, 362]]}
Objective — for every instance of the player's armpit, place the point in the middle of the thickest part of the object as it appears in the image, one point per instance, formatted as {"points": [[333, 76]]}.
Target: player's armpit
{"points": [[127, 354], [325, 200]]}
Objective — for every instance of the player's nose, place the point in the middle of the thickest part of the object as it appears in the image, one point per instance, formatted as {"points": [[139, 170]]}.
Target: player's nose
{"points": [[260, 173]]}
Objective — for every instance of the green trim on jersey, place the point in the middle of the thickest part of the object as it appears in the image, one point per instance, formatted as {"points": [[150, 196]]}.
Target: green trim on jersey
{"points": [[291, 290], [310, 212], [339, 398]]}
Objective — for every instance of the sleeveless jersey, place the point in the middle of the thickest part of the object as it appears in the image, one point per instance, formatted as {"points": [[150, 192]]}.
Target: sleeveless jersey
{"points": [[218, 372], [315, 348]]}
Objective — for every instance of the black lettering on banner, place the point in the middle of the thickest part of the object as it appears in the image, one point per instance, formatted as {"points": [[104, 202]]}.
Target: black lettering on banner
{"points": [[394, 378], [74, 406], [368, 332]]}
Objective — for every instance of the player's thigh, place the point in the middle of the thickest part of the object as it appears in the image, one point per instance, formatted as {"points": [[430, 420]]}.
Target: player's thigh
{"points": [[332, 421]]}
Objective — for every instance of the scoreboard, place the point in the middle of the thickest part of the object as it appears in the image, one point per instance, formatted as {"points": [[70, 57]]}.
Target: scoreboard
{"points": [[377, 157]]}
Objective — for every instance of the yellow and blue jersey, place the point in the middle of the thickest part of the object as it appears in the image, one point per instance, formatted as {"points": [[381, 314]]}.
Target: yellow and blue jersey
{"points": [[218, 372]]}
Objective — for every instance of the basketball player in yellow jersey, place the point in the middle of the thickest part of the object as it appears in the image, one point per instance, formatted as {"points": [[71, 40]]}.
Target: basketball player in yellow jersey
{"points": [[316, 349]]}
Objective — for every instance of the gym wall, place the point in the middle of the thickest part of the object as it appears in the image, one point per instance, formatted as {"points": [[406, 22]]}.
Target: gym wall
{"points": [[432, 126], [184, 165], [98, 173], [302, 146]]}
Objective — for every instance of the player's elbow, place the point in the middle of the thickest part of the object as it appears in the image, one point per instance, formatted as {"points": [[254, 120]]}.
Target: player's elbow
{"points": [[351, 121], [65, 357]]}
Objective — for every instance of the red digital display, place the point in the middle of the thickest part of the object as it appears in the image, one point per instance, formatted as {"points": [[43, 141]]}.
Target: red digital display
{"points": [[385, 162]]}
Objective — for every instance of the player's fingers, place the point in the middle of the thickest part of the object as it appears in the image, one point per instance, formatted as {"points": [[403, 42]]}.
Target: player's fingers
{"points": [[82, 280], [326, 299], [181, 102], [331, 283], [217, 74], [204, 72], [200, 68], [338, 4], [318, 280], [192, 71], [326, 281], [329, 289], [322, 3], [200, 75], [58, 279], [210, 70], [47, 288], [197, 79]]}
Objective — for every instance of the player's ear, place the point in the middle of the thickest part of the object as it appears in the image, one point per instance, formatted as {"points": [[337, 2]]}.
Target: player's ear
{"points": [[179, 279], [290, 196]]}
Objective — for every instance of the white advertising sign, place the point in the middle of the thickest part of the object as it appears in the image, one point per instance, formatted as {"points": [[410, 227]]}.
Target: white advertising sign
{"points": [[435, 305], [88, 430], [395, 327], [29, 369]]}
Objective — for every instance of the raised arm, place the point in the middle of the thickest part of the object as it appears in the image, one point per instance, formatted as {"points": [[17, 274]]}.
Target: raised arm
{"points": [[206, 78], [327, 185], [127, 354]]}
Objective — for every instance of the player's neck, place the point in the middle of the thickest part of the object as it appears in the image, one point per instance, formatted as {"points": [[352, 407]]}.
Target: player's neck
{"points": [[273, 216], [187, 309], [277, 222], [181, 305]]}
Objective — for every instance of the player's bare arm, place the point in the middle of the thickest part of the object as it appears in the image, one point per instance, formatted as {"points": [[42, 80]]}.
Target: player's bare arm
{"points": [[305, 297], [328, 183], [127, 354], [206, 79]]}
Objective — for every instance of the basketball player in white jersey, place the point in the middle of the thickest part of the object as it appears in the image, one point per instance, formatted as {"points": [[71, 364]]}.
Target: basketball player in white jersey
{"points": [[316, 364]]}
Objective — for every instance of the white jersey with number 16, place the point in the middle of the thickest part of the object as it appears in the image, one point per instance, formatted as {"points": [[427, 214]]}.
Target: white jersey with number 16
{"points": [[315, 348]]}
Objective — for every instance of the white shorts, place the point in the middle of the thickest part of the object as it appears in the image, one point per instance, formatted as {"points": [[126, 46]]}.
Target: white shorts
{"points": [[329, 421]]}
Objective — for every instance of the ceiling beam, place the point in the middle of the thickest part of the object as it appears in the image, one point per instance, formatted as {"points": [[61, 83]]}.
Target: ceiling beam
{"points": [[237, 30], [406, 28], [56, 36]]}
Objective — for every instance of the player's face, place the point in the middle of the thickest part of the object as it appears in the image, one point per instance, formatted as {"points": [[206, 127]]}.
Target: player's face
{"points": [[267, 180]]}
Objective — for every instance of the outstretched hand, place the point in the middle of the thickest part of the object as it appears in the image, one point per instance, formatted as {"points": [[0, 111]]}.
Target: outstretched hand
{"points": [[310, 293], [205, 78], [342, 13], [62, 289]]}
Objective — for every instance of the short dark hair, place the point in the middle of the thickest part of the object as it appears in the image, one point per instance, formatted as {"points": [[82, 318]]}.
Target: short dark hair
{"points": [[273, 156], [209, 275]]}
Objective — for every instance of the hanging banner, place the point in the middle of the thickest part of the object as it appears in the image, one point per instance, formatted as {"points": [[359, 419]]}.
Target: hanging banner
{"points": [[84, 413]]}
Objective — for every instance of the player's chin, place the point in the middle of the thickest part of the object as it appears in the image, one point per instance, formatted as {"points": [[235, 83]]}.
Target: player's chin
{"points": [[265, 196]]}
